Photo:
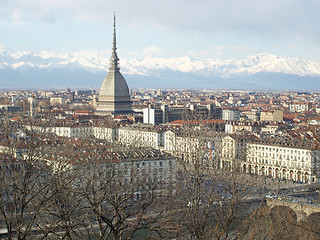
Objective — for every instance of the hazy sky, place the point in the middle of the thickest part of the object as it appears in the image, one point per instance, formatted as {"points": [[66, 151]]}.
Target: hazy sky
{"points": [[219, 29]]}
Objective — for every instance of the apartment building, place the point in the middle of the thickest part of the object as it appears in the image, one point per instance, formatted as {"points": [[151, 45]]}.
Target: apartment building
{"points": [[141, 135], [231, 114], [271, 115], [291, 160], [233, 127], [300, 107]]}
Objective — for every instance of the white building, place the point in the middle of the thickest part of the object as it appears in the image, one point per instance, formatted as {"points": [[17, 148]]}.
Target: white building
{"points": [[141, 135], [140, 175], [300, 107], [154, 170], [73, 131], [230, 114], [285, 160], [70, 131], [152, 116], [155, 116], [109, 134]]}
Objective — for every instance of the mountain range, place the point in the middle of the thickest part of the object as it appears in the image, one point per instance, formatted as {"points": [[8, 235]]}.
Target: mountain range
{"points": [[20, 70]]}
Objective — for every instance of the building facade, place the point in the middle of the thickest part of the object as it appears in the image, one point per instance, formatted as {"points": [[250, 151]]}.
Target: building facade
{"points": [[152, 116], [296, 162], [300, 107], [231, 114], [271, 115], [141, 135]]}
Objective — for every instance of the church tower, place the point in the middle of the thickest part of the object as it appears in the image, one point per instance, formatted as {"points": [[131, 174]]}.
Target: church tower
{"points": [[114, 96]]}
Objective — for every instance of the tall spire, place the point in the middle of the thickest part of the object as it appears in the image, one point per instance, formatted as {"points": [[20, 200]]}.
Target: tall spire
{"points": [[114, 96], [114, 57], [114, 34]]}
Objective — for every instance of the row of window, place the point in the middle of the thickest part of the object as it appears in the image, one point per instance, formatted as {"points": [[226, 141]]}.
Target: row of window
{"points": [[277, 149], [148, 164], [279, 163], [280, 156]]}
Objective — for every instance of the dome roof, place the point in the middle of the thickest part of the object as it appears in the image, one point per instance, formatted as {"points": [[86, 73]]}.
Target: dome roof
{"points": [[114, 85]]}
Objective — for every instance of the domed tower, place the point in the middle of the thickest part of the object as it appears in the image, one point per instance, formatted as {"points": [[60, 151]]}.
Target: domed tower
{"points": [[114, 96]]}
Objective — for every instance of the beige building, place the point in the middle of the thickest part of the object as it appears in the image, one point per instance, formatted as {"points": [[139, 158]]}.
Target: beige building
{"points": [[233, 127], [231, 151], [271, 115], [182, 146], [54, 101]]}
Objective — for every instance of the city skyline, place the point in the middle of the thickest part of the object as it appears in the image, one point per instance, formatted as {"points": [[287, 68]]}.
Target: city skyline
{"points": [[210, 29]]}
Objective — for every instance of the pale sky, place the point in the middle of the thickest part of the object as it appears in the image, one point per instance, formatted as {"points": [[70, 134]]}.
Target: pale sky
{"points": [[218, 29]]}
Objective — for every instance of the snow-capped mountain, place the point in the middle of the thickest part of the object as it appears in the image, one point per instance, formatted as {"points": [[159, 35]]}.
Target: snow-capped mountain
{"points": [[225, 69], [87, 69]]}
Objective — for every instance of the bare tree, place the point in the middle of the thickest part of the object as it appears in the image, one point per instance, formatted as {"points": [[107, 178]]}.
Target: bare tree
{"points": [[209, 201], [120, 196], [23, 179]]}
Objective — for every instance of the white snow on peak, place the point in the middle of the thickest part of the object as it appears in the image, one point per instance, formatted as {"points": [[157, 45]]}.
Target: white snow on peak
{"points": [[98, 61], [16, 65]]}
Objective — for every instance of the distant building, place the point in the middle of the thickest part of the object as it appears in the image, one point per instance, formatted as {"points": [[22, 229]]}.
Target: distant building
{"points": [[300, 107], [253, 115], [178, 113], [9, 108], [141, 135], [114, 96], [184, 147], [160, 172], [155, 115], [83, 92], [233, 127], [54, 101], [272, 115], [214, 111], [231, 114], [152, 116]]}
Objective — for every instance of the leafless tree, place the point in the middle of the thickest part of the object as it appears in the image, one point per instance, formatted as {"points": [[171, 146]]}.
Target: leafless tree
{"points": [[121, 196], [23, 179], [209, 201]]}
